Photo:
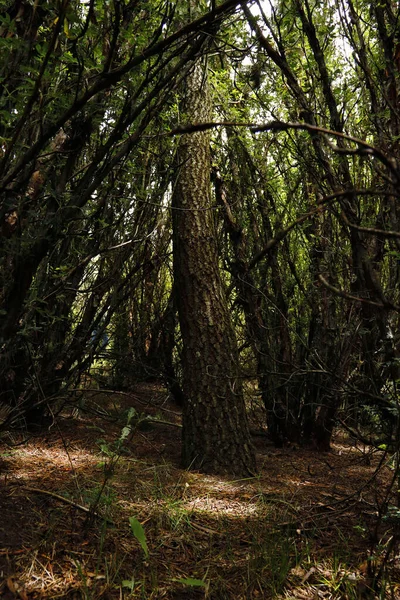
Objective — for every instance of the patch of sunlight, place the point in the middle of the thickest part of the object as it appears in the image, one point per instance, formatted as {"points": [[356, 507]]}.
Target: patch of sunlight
{"points": [[215, 484], [40, 461], [222, 506]]}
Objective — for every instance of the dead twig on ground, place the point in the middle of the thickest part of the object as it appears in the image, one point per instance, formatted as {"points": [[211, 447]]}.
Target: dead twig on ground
{"points": [[85, 509]]}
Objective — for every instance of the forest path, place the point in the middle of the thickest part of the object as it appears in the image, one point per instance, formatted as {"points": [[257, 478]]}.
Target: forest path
{"points": [[303, 528]]}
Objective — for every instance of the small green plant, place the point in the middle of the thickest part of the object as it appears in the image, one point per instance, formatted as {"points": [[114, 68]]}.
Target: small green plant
{"points": [[111, 452], [129, 583], [139, 534], [176, 514], [271, 559]]}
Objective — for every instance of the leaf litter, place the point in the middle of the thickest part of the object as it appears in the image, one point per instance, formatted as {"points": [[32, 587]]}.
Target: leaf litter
{"points": [[85, 518]]}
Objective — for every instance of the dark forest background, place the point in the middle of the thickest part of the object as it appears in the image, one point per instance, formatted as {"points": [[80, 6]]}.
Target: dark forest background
{"points": [[204, 194]]}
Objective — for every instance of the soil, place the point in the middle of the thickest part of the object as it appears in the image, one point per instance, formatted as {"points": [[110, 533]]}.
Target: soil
{"points": [[93, 508]]}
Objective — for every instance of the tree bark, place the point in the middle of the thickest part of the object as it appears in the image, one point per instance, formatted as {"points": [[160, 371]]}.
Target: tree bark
{"points": [[215, 434]]}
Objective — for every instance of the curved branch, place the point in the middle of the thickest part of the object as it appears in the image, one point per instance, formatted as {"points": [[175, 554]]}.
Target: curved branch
{"points": [[386, 304]]}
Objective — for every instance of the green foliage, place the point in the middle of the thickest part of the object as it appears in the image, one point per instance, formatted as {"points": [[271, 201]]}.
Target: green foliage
{"points": [[139, 534], [113, 451], [191, 582]]}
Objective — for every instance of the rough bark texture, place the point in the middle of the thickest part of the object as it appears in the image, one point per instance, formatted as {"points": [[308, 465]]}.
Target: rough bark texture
{"points": [[215, 429]]}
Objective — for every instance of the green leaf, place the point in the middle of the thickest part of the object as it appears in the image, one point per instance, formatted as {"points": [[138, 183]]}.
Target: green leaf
{"points": [[129, 583], [139, 534], [125, 432], [66, 28], [190, 581], [131, 413]]}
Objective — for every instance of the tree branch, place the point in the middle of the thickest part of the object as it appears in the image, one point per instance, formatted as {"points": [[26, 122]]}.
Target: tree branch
{"points": [[386, 304]]}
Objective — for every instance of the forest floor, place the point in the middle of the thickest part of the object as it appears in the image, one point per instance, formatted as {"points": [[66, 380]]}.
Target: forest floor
{"points": [[91, 510]]}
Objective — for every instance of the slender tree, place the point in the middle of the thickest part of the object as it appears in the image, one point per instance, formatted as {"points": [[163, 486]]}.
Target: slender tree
{"points": [[215, 430]]}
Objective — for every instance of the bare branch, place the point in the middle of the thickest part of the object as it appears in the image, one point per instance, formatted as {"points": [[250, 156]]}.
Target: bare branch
{"points": [[343, 294]]}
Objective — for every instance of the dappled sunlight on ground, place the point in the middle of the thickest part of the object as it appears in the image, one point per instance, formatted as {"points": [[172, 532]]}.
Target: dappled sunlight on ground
{"points": [[37, 460], [221, 507], [66, 501]]}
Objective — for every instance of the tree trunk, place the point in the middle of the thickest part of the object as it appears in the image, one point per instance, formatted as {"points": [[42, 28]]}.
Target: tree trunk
{"points": [[216, 435]]}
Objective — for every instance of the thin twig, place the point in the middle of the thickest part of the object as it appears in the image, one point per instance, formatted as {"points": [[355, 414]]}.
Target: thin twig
{"points": [[68, 501]]}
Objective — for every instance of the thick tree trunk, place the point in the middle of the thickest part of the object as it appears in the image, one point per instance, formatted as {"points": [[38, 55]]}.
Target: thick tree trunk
{"points": [[215, 429]]}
